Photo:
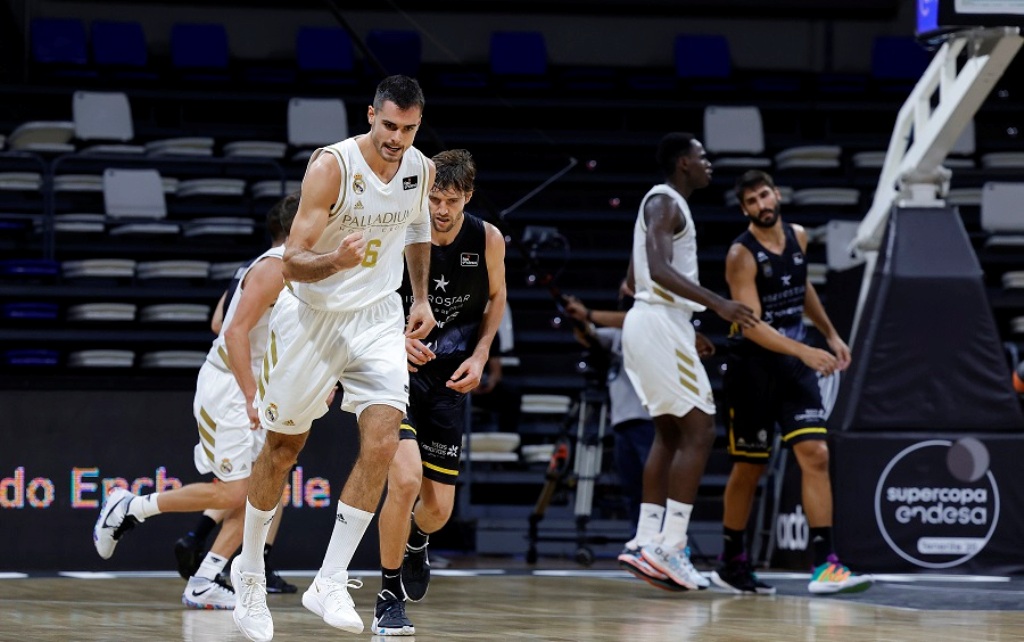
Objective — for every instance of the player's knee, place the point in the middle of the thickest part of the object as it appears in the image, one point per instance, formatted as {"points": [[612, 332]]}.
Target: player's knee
{"points": [[405, 483], [378, 446], [283, 450], [812, 455], [233, 495]]}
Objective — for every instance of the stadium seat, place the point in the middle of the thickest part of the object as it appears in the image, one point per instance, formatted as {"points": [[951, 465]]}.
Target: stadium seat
{"points": [[105, 117], [119, 50], [398, 52], [519, 59], [1001, 215], [200, 51], [59, 41], [735, 137], [702, 56], [897, 63], [313, 122], [324, 56], [59, 48]]}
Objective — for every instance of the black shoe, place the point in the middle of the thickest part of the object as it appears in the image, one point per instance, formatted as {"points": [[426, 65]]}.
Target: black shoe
{"points": [[277, 584], [389, 616], [738, 576], [189, 554], [415, 573]]}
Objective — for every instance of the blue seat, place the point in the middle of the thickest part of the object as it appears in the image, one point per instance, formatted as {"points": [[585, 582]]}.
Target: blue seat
{"points": [[120, 49], [702, 56], [59, 48], [59, 41], [897, 58], [321, 49], [519, 60], [31, 357], [324, 56], [398, 52], [26, 310], [518, 53], [19, 268], [200, 51]]}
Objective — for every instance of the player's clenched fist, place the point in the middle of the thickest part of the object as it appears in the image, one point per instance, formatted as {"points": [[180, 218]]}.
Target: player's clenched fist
{"points": [[351, 251]]}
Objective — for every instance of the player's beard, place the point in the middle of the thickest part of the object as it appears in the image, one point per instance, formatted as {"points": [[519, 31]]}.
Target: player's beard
{"points": [[765, 222]]}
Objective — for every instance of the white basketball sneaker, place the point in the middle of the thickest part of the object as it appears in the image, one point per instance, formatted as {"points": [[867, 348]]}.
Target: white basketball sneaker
{"points": [[203, 593], [328, 597], [113, 522], [252, 617]]}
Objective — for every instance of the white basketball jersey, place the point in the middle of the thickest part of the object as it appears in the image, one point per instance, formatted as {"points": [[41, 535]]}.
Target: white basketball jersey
{"points": [[684, 255], [390, 216], [218, 354]]}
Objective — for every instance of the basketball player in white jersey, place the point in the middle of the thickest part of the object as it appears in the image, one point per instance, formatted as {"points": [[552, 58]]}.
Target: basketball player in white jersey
{"points": [[230, 436], [364, 202], [662, 361]]}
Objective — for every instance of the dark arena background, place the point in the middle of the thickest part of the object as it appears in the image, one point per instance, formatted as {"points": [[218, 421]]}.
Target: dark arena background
{"points": [[142, 143]]}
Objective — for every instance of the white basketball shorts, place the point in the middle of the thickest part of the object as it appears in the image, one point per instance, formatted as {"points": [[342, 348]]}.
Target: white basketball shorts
{"points": [[310, 350], [660, 357], [227, 446]]}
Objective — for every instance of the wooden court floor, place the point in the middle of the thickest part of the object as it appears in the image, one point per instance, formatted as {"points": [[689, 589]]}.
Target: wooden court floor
{"points": [[558, 605]]}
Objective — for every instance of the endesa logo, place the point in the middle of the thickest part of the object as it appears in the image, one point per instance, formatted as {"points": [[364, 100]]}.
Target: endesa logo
{"points": [[937, 502]]}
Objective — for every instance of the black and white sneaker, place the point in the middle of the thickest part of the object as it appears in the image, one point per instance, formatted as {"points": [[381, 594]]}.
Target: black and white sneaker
{"points": [[738, 576], [389, 616], [276, 583], [415, 572], [189, 555], [113, 522]]}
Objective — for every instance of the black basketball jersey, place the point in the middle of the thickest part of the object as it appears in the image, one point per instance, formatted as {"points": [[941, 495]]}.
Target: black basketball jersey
{"points": [[459, 289], [781, 283]]}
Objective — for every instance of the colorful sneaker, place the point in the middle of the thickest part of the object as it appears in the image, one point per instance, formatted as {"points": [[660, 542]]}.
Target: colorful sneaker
{"points": [[113, 522], [276, 583], [631, 561], [389, 616], [415, 573], [252, 617], [834, 577], [738, 576], [201, 593], [329, 598], [676, 564], [189, 555]]}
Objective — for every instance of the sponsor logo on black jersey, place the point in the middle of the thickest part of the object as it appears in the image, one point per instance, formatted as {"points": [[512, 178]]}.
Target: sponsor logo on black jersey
{"points": [[410, 182], [469, 259]]}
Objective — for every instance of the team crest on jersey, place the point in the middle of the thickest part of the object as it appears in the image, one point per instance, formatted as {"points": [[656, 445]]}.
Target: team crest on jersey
{"points": [[798, 259], [766, 269], [358, 205], [271, 412], [358, 184], [410, 182], [469, 259], [226, 467]]}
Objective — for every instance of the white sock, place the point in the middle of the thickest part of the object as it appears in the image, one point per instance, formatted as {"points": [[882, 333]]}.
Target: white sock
{"points": [[257, 527], [348, 531], [211, 567], [649, 524], [145, 506], [677, 520]]}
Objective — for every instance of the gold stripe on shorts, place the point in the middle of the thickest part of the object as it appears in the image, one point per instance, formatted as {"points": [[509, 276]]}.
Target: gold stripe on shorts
{"points": [[224, 356], [273, 352], [445, 471], [804, 431], [663, 294], [685, 359], [689, 386]]}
